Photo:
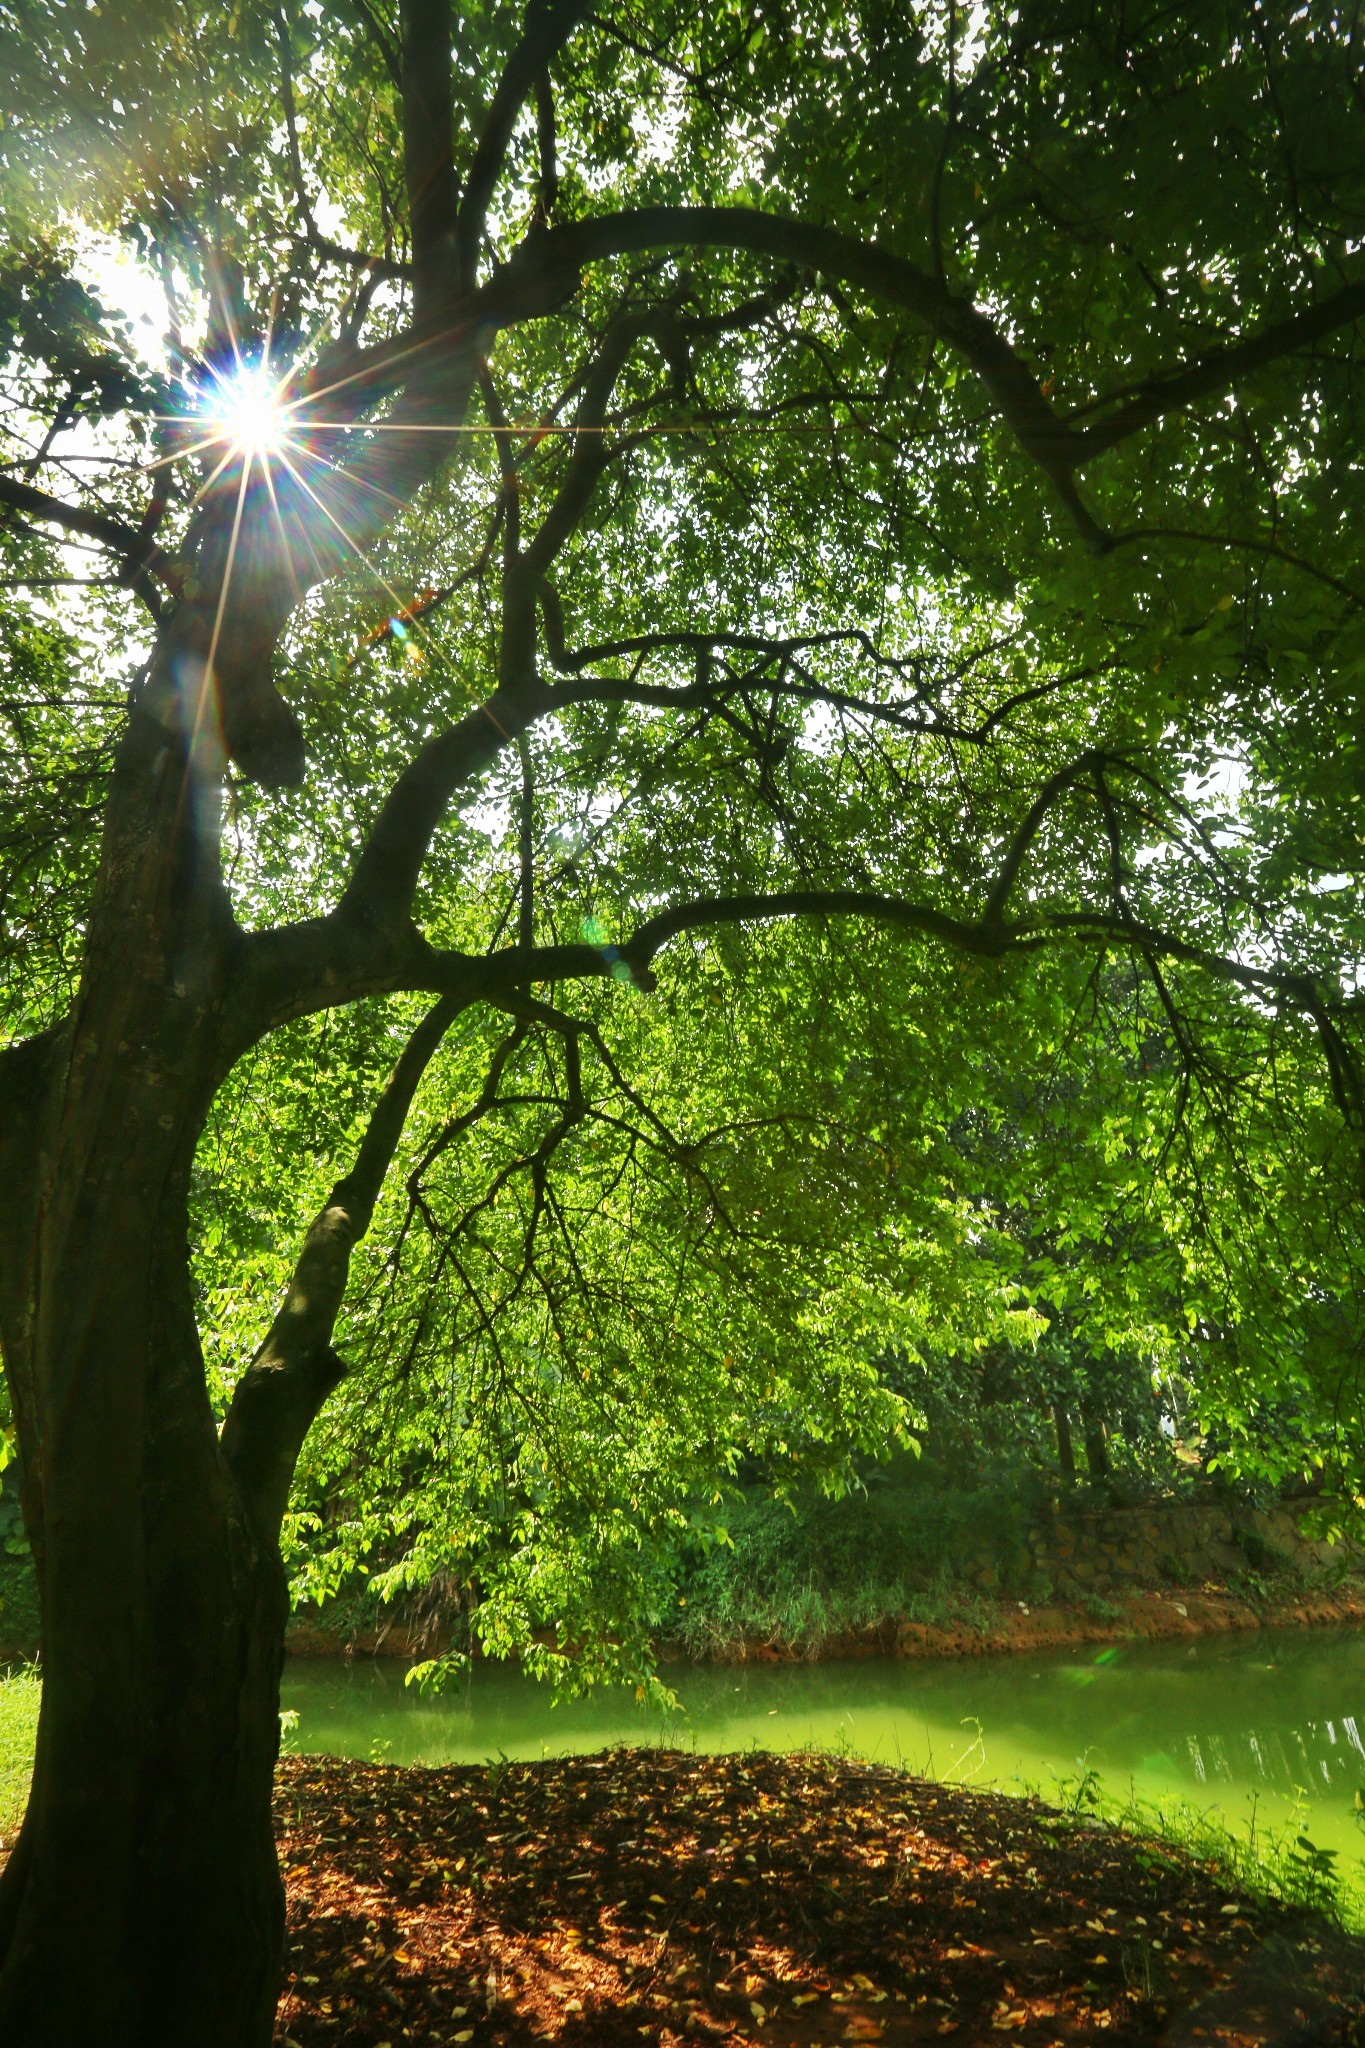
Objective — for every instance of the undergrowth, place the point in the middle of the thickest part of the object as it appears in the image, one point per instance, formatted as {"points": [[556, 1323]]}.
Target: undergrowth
{"points": [[1275, 1862], [18, 1605], [806, 1574]]}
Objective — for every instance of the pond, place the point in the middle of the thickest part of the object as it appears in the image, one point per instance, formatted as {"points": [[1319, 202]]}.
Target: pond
{"points": [[1270, 1723]]}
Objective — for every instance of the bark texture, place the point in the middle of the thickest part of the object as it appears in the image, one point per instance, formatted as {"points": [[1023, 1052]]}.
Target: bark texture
{"points": [[142, 1904], [148, 1836], [148, 1827]]}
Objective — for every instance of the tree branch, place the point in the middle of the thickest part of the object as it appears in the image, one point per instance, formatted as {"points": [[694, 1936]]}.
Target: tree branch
{"points": [[503, 976], [1217, 370], [1293, 987], [296, 1368], [526, 909], [869, 267], [384, 879], [140, 553], [793, 679], [101, 526], [673, 333], [591, 450], [1028, 832], [1057, 445], [545, 144], [549, 25], [428, 137], [655, 933], [383, 42], [369, 945]]}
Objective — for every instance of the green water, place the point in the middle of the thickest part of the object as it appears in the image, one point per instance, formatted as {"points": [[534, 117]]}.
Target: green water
{"points": [[1276, 1717]]}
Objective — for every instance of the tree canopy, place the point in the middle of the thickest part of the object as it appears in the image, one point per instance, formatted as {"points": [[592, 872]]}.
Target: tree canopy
{"points": [[701, 683], [889, 502]]}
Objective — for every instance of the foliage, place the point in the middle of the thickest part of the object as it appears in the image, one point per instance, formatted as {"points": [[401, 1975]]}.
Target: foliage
{"points": [[912, 928]]}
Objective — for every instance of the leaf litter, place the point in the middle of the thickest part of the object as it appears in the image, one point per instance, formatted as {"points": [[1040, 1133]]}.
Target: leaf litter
{"points": [[652, 1895]]}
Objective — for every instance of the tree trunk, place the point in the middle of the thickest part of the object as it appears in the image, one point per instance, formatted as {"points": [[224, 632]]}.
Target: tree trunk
{"points": [[142, 1904], [1096, 1450], [1066, 1456]]}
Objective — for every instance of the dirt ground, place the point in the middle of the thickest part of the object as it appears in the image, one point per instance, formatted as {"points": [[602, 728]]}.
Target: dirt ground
{"points": [[657, 1896]]}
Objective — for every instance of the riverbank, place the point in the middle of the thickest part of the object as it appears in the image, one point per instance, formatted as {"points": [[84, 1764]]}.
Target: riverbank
{"points": [[970, 1627], [974, 1627], [659, 1896], [914, 1570], [1121, 1618], [908, 1568]]}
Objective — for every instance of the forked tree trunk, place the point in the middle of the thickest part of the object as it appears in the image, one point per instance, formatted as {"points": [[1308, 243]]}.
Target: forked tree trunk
{"points": [[142, 1904]]}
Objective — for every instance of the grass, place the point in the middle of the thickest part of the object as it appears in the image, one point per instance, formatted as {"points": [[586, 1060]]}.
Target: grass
{"points": [[18, 1730], [1277, 1864], [802, 1613]]}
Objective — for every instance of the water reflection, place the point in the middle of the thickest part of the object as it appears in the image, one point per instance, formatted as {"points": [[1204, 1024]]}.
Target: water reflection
{"points": [[1276, 1716], [1283, 1757]]}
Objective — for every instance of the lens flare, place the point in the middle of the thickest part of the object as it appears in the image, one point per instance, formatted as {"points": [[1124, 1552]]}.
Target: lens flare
{"points": [[242, 408]]}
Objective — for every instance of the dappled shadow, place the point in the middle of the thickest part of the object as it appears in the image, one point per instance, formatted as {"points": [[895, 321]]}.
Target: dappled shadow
{"points": [[669, 1897]]}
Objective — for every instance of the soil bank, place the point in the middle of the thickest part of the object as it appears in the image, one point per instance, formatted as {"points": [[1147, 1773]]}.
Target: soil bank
{"points": [[1124, 1618], [991, 1628]]}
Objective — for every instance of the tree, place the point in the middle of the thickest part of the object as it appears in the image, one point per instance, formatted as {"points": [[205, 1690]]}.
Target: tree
{"points": [[880, 480]]}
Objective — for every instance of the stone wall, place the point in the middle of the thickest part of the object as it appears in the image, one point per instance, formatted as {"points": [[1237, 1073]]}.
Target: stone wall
{"points": [[1068, 1555]]}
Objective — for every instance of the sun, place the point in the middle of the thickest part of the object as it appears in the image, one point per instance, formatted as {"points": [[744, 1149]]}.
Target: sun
{"points": [[242, 407]]}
